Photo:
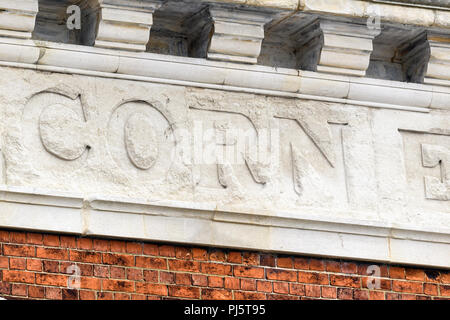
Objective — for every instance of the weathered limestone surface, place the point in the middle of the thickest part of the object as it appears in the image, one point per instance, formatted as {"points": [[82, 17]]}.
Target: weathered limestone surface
{"points": [[316, 158]]}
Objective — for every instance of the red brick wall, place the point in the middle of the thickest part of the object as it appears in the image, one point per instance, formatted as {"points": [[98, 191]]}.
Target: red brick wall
{"points": [[34, 266]]}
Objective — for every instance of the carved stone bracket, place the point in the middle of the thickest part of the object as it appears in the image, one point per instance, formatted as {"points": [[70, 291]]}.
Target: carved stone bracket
{"points": [[17, 18], [233, 35], [336, 47], [119, 24]]}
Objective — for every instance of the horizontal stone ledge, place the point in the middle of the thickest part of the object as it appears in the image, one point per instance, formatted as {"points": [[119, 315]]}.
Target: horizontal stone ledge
{"points": [[221, 75], [193, 224]]}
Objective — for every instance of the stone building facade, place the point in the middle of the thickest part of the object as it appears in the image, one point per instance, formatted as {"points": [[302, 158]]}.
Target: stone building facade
{"points": [[225, 149]]}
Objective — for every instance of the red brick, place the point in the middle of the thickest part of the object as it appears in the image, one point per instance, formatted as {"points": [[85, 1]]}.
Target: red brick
{"points": [[301, 263], [167, 277], [312, 290], [34, 265], [87, 295], [445, 277], [18, 263], [281, 287], [184, 265], [329, 292], [248, 284], [18, 276], [69, 294], [85, 256], [36, 292], [282, 275], [363, 269], [18, 237], [350, 268], [285, 262], [430, 289], [396, 272], [246, 295], [121, 296], [376, 283], [317, 264], [19, 289], [234, 257], [267, 260], [118, 259], [105, 296], [151, 263], [297, 289], [345, 281], [199, 280], [360, 294], [118, 246], [407, 297], [184, 292], [34, 238], [68, 242], [100, 245], [4, 236], [313, 277], [85, 243], [53, 293], [183, 253], [85, 269], [5, 288], [117, 272], [183, 279], [101, 271], [216, 268], [51, 279], [215, 282], [281, 297], [248, 272], [50, 266], [231, 283], [423, 298], [51, 240], [18, 250], [135, 274], [134, 247], [151, 275], [345, 294], [117, 285], [138, 297], [376, 295], [414, 274], [4, 263], [333, 266], [216, 294], [52, 253], [445, 290], [407, 286], [250, 258], [264, 286], [90, 283], [433, 276], [150, 249], [199, 254], [167, 251], [217, 255]]}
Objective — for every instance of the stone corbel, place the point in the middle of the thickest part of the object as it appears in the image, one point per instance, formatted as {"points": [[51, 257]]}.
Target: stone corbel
{"points": [[18, 18], [335, 47], [118, 24], [426, 59], [225, 34]]}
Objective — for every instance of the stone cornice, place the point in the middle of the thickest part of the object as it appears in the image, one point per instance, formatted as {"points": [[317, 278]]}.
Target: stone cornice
{"points": [[221, 75], [184, 222]]}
